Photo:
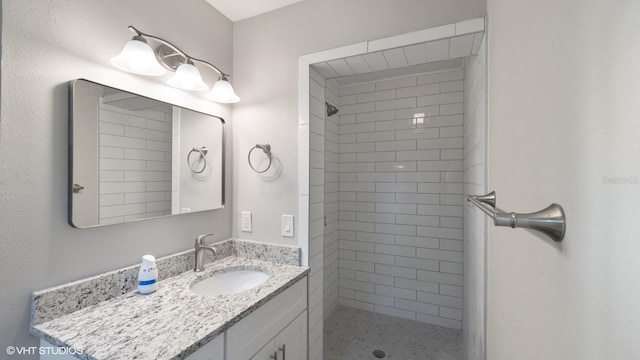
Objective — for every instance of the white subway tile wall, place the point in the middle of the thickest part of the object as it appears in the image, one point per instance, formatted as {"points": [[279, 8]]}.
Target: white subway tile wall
{"points": [[331, 200], [317, 179], [475, 123], [393, 197], [135, 164]]}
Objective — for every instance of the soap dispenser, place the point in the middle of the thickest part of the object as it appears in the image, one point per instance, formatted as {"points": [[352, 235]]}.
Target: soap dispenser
{"points": [[148, 275]]}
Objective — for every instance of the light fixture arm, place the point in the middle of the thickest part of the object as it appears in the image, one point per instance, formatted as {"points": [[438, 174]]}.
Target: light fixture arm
{"points": [[139, 33], [160, 40], [223, 76]]}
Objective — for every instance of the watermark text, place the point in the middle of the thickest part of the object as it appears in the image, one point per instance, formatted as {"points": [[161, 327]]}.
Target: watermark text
{"points": [[621, 180], [42, 350]]}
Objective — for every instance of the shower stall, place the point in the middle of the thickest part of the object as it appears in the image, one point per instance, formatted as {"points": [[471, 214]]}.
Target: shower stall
{"points": [[396, 138]]}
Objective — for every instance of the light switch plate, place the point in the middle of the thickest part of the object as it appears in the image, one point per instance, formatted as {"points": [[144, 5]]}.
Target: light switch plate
{"points": [[287, 225], [246, 221]]}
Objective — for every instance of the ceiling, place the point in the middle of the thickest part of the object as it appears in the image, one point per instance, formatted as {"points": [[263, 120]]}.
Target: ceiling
{"points": [[237, 10], [400, 72], [425, 57]]}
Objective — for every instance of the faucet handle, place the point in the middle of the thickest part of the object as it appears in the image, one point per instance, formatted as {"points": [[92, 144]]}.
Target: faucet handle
{"points": [[200, 239]]}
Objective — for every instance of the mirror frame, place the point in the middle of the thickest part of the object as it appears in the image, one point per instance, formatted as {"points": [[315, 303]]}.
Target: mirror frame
{"points": [[71, 153]]}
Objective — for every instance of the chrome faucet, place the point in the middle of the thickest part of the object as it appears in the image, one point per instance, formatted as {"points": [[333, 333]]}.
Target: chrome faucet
{"points": [[200, 246]]}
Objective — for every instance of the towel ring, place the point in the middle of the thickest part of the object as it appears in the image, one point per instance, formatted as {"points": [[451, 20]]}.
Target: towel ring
{"points": [[266, 148], [203, 153]]}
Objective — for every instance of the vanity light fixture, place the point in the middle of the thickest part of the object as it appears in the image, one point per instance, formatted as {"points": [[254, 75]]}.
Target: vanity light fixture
{"points": [[187, 77], [138, 57]]}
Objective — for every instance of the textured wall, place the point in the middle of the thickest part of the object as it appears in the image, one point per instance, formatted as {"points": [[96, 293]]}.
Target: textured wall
{"points": [[46, 44], [563, 127], [475, 175]]}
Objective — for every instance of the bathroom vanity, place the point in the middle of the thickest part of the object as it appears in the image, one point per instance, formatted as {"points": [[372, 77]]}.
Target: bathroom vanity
{"points": [[276, 330], [248, 302], [268, 321]]}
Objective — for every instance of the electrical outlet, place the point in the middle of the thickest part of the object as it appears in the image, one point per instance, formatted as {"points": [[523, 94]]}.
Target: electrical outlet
{"points": [[287, 225], [246, 221]]}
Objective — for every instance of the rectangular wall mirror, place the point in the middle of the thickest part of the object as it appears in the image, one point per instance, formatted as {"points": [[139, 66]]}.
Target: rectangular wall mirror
{"points": [[134, 158]]}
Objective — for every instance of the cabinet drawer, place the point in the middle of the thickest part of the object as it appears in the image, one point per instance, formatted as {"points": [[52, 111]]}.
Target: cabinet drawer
{"points": [[252, 333]]}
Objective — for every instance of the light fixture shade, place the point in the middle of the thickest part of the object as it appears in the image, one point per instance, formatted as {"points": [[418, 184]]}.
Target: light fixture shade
{"points": [[137, 57], [187, 77], [222, 92]]}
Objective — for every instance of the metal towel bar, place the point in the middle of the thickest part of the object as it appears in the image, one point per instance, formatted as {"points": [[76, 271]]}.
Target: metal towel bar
{"points": [[550, 221], [203, 150], [266, 148]]}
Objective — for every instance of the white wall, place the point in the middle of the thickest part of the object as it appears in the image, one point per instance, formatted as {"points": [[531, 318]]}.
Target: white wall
{"points": [[475, 163], [266, 53], [401, 197], [564, 123], [46, 44], [203, 190]]}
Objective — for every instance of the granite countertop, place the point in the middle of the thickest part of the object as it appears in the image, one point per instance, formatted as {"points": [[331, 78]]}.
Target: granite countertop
{"points": [[171, 323]]}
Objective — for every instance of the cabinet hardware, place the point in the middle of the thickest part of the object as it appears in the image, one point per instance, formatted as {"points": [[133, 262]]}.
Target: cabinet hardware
{"points": [[284, 351]]}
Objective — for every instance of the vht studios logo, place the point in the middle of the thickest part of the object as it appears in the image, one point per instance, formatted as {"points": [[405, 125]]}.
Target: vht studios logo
{"points": [[42, 350]]}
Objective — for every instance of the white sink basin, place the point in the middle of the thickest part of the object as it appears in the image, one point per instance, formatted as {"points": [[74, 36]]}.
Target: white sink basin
{"points": [[231, 282]]}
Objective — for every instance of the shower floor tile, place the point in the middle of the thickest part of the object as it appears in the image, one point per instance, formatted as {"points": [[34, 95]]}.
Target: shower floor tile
{"points": [[353, 334]]}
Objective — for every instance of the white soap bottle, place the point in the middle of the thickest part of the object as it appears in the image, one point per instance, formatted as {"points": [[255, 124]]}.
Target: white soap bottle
{"points": [[148, 275]]}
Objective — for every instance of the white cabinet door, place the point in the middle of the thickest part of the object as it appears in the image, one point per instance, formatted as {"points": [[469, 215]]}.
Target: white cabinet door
{"points": [[213, 350], [268, 352], [255, 331], [291, 343]]}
